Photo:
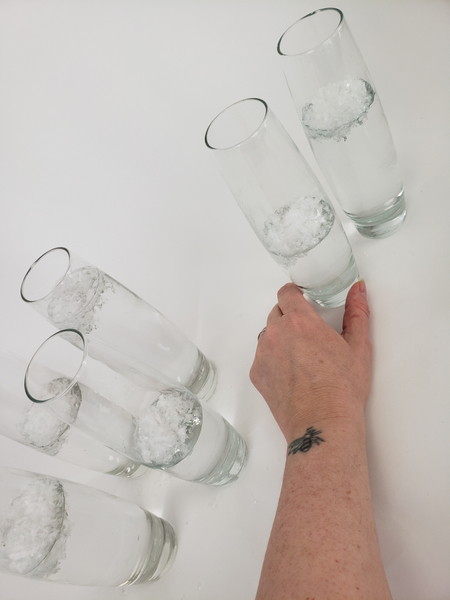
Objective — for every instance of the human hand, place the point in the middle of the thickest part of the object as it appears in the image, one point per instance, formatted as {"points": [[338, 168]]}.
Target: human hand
{"points": [[305, 370]]}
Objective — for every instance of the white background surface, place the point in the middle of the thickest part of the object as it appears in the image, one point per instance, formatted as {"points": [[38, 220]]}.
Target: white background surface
{"points": [[103, 108]]}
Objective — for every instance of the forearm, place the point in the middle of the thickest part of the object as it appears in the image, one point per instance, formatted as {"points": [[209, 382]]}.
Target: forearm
{"points": [[324, 543]]}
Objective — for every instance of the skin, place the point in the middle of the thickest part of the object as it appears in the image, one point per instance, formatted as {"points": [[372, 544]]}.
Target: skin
{"points": [[324, 543]]}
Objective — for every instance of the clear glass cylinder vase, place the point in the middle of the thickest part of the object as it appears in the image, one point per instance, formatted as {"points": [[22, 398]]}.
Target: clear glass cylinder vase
{"points": [[69, 292], [344, 121], [62, 531], [31, 425], [282, 200], [139, 416]]}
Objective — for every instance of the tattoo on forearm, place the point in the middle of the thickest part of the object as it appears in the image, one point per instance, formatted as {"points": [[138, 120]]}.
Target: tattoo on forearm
{"points": [[305, 443]]}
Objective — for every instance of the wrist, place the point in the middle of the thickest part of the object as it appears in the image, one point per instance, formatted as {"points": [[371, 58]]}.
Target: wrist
{"points": [[304, 434]]}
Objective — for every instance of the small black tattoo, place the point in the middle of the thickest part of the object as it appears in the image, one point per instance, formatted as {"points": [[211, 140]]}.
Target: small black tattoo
{"points": [[304, 443]]}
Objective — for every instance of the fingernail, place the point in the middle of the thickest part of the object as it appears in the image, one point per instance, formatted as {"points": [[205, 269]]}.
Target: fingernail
{"points": [[362, 287]]}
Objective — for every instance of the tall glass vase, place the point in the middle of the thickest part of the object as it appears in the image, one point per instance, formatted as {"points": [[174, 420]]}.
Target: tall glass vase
{"points": [[62, 531], [282, 200], [70, 292], [31, 425], [344, 121], [139, 416]]}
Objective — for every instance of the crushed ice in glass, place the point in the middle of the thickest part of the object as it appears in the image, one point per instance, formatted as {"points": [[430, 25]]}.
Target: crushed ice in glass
{"points": [[43, 430], [168, 429], [78, 298], [294, 229], [31, 526], [40, 429], [336, 108]]}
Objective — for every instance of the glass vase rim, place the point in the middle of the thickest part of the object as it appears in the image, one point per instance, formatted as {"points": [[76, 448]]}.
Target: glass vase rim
{"points": [[31, 301], [256, 130], [74, 379], [313, 48]]}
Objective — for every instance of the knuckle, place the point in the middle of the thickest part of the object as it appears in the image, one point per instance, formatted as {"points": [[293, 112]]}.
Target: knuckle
{"points": [[287, 288], [296, 321]]}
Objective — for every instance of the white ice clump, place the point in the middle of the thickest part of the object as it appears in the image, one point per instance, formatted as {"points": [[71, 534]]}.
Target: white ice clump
{"points": [[69, 404], [42, 430], [336, 108], [294, 229], [78, 297], [168, 429], [31, 526]]}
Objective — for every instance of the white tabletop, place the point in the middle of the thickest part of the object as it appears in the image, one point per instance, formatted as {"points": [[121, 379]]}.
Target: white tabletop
{"points": [[103, 108]]}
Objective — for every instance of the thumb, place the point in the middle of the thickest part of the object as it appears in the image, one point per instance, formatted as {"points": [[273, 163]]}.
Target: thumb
{"points": [[355, 325]]}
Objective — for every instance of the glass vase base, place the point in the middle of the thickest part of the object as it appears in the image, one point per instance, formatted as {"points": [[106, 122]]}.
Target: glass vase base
{"points": [[205, 382], [385, 224], [161, 553], [234, 460], [335, 293]]}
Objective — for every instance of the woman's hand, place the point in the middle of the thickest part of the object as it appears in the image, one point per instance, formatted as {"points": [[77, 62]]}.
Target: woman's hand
{"points": [[305, 370]]}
